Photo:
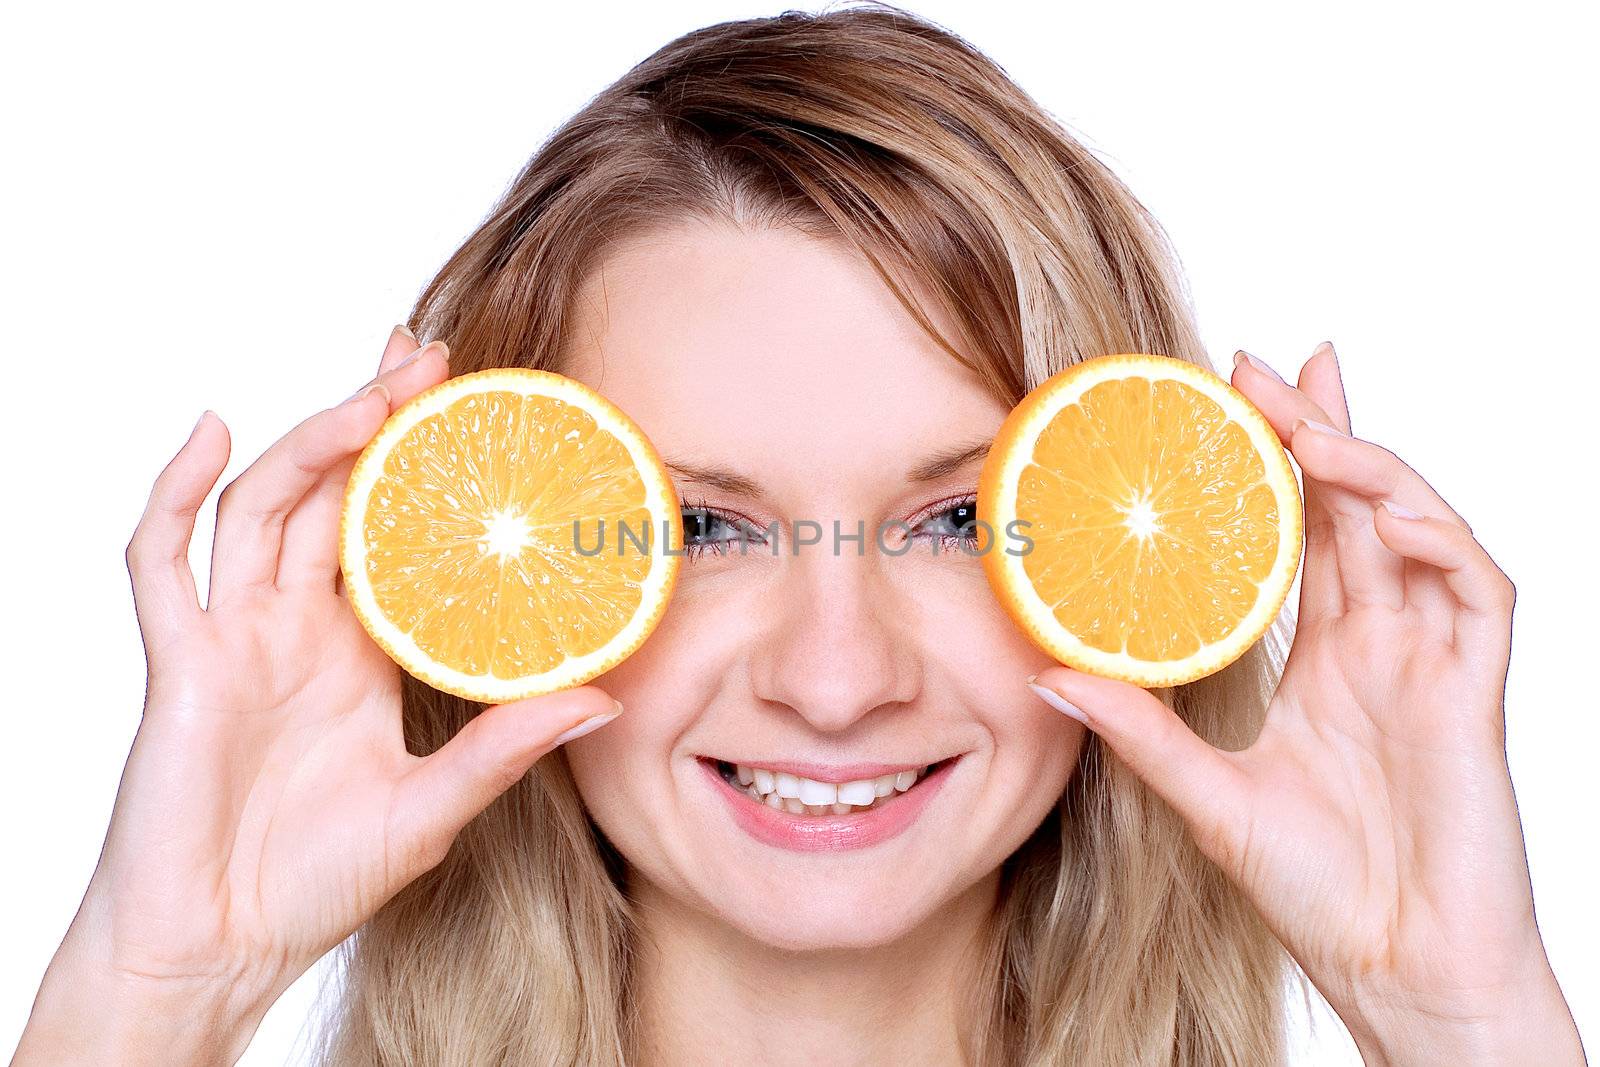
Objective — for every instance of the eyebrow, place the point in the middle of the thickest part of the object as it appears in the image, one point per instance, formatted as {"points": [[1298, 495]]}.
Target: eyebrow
{"points": [[716, 477], [940, 465], [948, 462]]}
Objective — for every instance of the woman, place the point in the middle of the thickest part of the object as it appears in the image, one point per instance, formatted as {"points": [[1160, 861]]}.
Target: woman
{"points": [[817, 258]]}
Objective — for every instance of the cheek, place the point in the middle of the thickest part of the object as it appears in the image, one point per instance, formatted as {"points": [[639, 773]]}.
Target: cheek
{"points": [[970, 637], [1034, 749], [625, 770], [1039, 747], [663, 686]]}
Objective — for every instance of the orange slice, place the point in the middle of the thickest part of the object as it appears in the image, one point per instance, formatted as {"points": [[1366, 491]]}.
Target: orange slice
{"points": [[1164, 518], [458, 541]]}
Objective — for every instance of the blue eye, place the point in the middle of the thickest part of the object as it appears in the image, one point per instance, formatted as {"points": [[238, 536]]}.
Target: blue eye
{"points": [[954, 523], [706, 530]]}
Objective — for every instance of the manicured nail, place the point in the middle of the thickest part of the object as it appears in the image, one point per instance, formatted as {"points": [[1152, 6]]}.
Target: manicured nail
{"points": [[370, 387], [431, 346], [1321, 427], [412, 358], [1254, 362], [1057, 701], [1324, 346], [1399, 511], [400, 328], [589, 725], [187, 441]]}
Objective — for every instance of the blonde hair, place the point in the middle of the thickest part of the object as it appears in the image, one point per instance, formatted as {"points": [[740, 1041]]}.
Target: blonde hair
{"points": [[1115, 941]]}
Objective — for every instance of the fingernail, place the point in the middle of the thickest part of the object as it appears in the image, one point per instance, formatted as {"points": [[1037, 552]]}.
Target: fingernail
{"points": [[1322, 427], [1399, 511], [1254, 362], [431, 346], [1057, 701], [187, 441], [401, 329], [588, 725], [369, 387], [1326, 346]]}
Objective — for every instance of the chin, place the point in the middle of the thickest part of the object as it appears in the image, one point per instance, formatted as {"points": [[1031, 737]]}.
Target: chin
{"points": [[821, 914]]}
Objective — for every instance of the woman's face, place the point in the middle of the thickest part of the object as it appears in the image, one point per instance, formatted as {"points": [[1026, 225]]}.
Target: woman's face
{"points": [[783, 383]]}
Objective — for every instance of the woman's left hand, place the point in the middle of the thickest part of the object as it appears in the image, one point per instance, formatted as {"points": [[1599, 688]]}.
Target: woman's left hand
{"points": [[1372, 823]]}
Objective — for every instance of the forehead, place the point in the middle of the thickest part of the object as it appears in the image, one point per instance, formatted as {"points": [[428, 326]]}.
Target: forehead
{"points": [[717, 339]]}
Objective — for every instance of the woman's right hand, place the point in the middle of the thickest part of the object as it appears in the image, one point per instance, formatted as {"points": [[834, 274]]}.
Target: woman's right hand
{"points": [[269, 805]]}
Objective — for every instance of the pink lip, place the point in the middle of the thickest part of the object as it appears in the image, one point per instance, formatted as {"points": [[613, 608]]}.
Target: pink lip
{"points": [[828, 833]]}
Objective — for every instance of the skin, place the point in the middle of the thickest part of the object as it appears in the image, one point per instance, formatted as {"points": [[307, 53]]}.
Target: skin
{"points": [[268, 806]]}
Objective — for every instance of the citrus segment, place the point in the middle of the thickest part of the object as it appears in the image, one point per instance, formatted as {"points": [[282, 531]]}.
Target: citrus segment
{"points": [[1164, 518], [504, 533]]}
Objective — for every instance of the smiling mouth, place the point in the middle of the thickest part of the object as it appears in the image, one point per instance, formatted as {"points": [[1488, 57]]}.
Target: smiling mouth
{"points": [[806, 796]]}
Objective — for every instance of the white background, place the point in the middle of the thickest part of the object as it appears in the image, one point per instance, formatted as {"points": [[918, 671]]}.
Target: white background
{"points": [[228, 207]]}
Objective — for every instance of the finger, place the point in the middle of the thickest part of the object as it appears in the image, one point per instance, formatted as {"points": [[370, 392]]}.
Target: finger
{"points": [[1321, 586], [401, 343], [1431, 599], [1346, 563], [1484, 594], [1353, 474], [1200, 782], [1369, 573], [164, 594], [1321, 399], [1279, 401], [1370, 472], [449, 788], [252, 508], [1367, 469], [309, 556], [1321, 380]]}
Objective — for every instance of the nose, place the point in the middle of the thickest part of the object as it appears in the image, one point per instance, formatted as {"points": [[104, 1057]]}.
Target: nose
{"points": [[836, 648]]}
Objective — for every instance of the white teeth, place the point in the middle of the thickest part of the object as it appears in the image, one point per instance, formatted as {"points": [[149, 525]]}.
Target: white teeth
{"points": [[818, 793], [790, 792], [858, 793]]}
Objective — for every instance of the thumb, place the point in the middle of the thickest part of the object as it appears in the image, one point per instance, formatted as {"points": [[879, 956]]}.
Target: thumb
{"points": [[449, 788], [1201, 782]]}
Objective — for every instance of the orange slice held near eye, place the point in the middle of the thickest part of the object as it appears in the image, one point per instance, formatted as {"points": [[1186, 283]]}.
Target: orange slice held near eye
{"points": [[1165, 520], [457, 539], [1160, 527]]}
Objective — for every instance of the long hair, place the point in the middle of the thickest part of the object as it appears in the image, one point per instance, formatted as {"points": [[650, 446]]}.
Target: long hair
{"points": [[1115, 941]]}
